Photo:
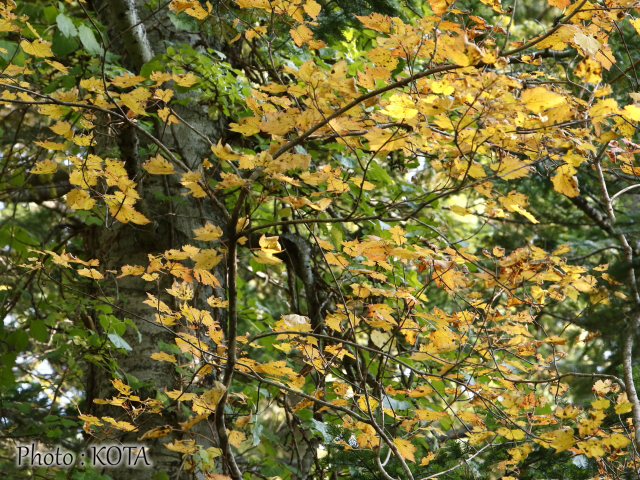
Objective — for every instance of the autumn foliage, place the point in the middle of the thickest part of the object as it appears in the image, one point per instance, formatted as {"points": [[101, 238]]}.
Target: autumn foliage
{"points": [[351, 289]]}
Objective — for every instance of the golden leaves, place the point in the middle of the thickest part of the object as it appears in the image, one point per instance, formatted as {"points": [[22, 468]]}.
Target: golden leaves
{"points": [[183, 446], [401, 106], [91, 273], [439, 6], [515, 202], [405, 448], [185, 80], [191, 181], [376, 21], [37, 48], [182, 291], [515, 434], [561, 440], [565, 182], [136, 100], [50, 145], [156, 432], [44, 167], [80, 200], [158, 165], [163, 357], [127, 80], [301, 34], [539, 99], [208, 233], [312, 8], [120, 207], [191, 8], [236, 437]]}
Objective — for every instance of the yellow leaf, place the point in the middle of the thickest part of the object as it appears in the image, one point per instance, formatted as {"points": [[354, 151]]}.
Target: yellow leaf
{"points": [[617, 440], [556, 340], [591, 448], [131, 270], [624, 407], [224, 152], [183, 446], [301, 34], [478, 437], [243, 421], [401, 106], [209, 399], [208, 233], [182, 396], [600, 404], [91, 273], [430, 415], [58, 66], [632, 112], [266, 258], [602, 387], [121, 387], [570, 412], [185, 80], [398, 235], [443, 340], [190, 180], [587, 43], [127, 80], [191, 8], [270, 244], [90, 419], [425, 460], [158, 165], [163, 357], [192, 421], [80, 200], [564, 182], [515, 434], [510, 168], [44, 167], [156, 432], [458, 210], [182, 291], [38, 48], [312, 8], [126, 426], [125, 214], [61, 128], [51, 145], [405, 448], [520, 453], [559, 439], [539, 99]]}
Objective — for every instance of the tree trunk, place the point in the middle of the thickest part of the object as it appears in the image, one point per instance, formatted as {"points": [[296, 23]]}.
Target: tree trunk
{"points": [[128, 26]]}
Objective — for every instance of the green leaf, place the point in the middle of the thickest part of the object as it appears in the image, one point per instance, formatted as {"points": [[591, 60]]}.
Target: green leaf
{"points": [[19, 339], [63, 46], [6, 376], [38, 330], [89, 40], [11, 49], [118, 341], [257, 432], [66, 26], [153, 65]]}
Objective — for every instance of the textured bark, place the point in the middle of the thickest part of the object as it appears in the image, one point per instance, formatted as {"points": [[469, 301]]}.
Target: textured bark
{"points": [[171, 226]]}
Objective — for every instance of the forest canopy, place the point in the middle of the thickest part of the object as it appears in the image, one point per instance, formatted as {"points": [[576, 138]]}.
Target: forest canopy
{"points": [[320, 239]]}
